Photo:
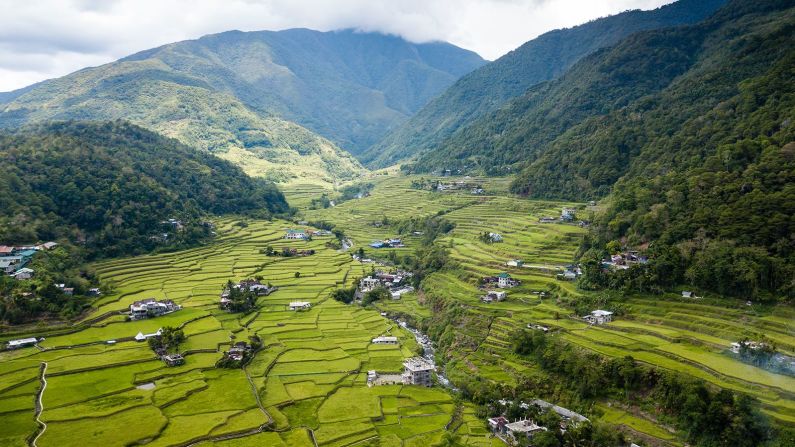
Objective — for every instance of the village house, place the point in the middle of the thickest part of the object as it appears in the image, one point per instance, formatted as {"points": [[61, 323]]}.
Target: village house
{"points": [[150, 308], [94, 292], [515, 263], [537, 327], [494, 295], [505, 281], [568, 417], [568, 214], [495, 237], [570, 273], [22, 343], [143, 337], [5, 250], [173, 360], [369, 283], [512, 432], [417, 371], [737, 346], [296, 234], [69, 291], [48, 245], [599, 317], [300, 305], [250, 285], [477, 191], [23, 273], [238, 351], [397, 293], [547, 220], [385, 340]]}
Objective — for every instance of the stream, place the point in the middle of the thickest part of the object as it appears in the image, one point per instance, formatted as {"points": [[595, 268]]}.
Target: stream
{"points": [[427, 352]]}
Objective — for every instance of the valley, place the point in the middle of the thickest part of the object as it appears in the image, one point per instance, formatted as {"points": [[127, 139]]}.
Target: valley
{"points": [[308, 383]]}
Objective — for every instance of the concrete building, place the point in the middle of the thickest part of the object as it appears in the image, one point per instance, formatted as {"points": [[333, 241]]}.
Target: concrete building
{"points": [[599, 317], [417, 371], [385, 340], [21, 343], [300, 305]]}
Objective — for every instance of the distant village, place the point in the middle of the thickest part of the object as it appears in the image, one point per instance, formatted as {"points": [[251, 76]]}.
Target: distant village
{"points": [[13, 260]]}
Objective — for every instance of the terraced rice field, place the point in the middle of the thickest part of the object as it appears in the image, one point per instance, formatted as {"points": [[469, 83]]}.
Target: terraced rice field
{"points": [[307, 387], [666, 331]]}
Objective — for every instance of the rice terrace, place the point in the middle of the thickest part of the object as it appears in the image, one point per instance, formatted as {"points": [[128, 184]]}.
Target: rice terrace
{"points": [[308, 383]]}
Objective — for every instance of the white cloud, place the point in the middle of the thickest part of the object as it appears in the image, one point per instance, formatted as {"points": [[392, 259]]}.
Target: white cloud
{"points": [[41, 39]]}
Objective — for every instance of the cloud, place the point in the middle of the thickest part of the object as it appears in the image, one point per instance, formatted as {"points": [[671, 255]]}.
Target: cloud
{"points": [[48, 38]]}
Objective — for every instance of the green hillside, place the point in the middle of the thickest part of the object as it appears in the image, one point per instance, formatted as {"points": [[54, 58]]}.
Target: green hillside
{"points": [[689, 129], [541, 59], [233, 91], [109, 187]]}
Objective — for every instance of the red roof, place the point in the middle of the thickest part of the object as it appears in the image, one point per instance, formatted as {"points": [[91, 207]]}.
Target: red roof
{"points": [[4, 249]]}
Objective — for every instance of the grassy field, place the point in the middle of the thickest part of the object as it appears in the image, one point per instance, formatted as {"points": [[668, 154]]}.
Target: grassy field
{"points": [[308, 383]]}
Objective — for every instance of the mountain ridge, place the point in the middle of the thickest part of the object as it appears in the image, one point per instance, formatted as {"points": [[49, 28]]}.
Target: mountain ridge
{"points": [[543, 58]]}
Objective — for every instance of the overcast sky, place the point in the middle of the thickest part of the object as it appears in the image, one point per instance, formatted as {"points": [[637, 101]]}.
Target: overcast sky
{"points": [[41, 39]]}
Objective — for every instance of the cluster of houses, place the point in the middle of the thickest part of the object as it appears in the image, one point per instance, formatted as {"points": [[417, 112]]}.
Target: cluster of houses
{"points": [[151, 308], [249, 285], [502, 280], [624, 260], [388, 243], [14, 259], [522, 430], [567, 215], [176, 224], [305, 234], [473, 188], [394, 282]]}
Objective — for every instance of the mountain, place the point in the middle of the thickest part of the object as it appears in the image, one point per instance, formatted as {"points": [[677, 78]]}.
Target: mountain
{"points": [[259, 98], [109, 186], [541, 59], [688, 131]]}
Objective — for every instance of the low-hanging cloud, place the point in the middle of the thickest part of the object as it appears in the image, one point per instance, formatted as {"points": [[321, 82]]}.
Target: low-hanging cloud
{"points": [[48, 38]]}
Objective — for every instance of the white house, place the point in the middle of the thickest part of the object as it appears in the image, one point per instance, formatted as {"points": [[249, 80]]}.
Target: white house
{"points": [[143, 337], [495, 237], [568, 214], [397, 293], [515, 263], [150, 307], [504, 281], [300, 305], [494, 295], [369, 283], [21, 343], [385, 340], [599, 317], [295, 234]]}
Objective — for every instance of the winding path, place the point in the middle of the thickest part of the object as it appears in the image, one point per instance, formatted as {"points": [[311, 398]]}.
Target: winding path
{"points": [[39, 405]]}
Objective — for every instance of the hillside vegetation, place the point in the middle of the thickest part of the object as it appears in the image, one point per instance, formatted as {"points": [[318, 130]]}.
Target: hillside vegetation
{"points": [[690, 128], [546, 57], [244, 91], [109, 187]]}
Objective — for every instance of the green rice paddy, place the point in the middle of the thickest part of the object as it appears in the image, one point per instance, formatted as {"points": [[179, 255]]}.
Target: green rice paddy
{"points": [[308, 385]]}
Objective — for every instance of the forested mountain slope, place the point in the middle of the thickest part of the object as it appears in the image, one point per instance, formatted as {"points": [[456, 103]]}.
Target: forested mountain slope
{"points": [[236, 89], [109, 187], [541, 59]]}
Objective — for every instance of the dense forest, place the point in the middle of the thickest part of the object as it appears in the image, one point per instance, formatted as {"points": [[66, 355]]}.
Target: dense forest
{"points": [[111, 188], [486, 89]]}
